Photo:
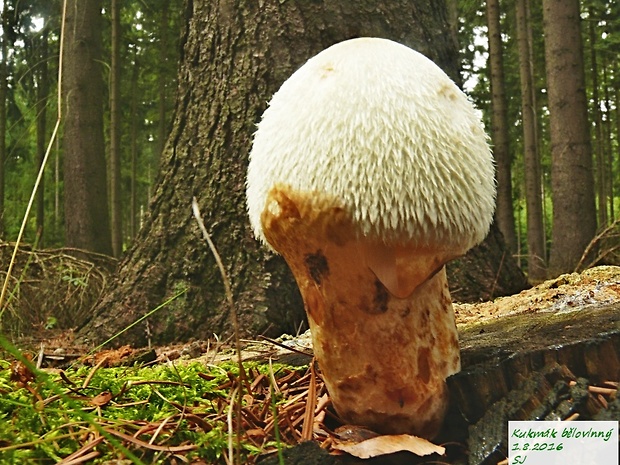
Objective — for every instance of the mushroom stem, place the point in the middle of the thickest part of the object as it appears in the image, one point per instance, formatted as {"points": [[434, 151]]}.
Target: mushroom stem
{"points": [[369, 171], [384, 358]]}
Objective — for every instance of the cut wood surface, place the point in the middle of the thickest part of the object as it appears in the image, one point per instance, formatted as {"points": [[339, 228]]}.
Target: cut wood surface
{"points": [[573, 320]]}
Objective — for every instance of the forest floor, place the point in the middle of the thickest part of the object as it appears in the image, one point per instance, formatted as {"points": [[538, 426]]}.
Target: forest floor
{"points": [[180, 404]]}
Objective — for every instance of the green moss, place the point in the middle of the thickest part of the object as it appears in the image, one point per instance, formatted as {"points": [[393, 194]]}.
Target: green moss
{"points": [[54, 416]]}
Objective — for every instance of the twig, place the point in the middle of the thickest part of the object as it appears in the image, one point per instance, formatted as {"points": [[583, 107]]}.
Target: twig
{"points": [[233, 315], [284, 346], [593, 243]]}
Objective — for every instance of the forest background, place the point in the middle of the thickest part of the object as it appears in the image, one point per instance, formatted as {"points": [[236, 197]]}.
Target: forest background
{"points": [[504, 70]]}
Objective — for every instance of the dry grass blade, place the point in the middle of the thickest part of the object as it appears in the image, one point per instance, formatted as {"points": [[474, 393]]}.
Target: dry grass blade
{"points": [[230, 425], [233, 315], [308, 425], [159, 430], [146, 445], [92, 372], [272, 376], [83, 454]]}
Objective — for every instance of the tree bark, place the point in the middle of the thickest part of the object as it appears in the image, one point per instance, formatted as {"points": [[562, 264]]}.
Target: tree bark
{"points": [[499, 129], [116, 208], [87, 223], [574, 210], [533, 193], [235, 55]]}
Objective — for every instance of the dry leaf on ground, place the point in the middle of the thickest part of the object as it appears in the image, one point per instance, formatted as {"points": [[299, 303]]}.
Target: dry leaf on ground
{"points": [[382, 445]]}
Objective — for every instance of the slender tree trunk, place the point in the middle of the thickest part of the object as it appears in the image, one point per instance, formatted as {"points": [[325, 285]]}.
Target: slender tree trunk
{"points": [[609, 165], [598, 124], [87, 221], [133, 215], [41, 107], [57, 177], [538, 109], [616, 86], [116, 207], [235, 56], [533, 194], [499, 128], [452, 7], [3, 116], [574, 210], [163, 57]]}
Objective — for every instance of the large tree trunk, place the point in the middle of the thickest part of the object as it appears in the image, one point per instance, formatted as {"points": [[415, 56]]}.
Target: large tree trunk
{"points": [[499, 129], [87, 223], [574, 211], [536, 261], [235, 55]]}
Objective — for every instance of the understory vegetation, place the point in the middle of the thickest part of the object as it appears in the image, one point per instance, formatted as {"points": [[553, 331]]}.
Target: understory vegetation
{"points": [[169, 412]]}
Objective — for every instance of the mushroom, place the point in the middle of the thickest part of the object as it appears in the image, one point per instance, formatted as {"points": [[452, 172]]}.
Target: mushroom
{"points": [[369, 171]]}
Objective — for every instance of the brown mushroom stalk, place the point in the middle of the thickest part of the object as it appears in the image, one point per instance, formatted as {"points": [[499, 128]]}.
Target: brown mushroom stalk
{"points": [[369, 171]]}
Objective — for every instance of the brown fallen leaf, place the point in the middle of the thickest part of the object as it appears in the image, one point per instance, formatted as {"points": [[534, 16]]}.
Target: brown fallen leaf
{"points": [[101, 399], [20, 373], [389, 444]]}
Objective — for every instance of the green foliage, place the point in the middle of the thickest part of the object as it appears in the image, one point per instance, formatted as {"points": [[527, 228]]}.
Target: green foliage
{"points": [[35, 26], [472, 35]]}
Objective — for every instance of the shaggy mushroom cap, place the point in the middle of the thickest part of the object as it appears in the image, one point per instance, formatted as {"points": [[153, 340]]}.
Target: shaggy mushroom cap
{"points": [[382, 129], [369, 171]]}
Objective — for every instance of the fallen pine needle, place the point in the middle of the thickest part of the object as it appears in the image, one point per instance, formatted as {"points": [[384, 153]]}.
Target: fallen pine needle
{"points": [[308, 425]]}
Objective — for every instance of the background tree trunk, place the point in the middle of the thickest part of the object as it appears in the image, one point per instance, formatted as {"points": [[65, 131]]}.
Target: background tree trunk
{"points": [[599, 139], [499, 129], [4, 46], [133, 149], [235, 55], [87, 223], [116, 207], [574, 210], [161, 104], [41, 107], [536, 261]]}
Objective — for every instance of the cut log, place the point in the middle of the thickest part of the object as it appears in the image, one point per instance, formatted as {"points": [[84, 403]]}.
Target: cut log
{"points": [[531, 356]]}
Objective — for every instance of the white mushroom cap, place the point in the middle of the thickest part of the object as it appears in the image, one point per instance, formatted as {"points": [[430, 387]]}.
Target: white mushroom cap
{"points": [[384, 130]]}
